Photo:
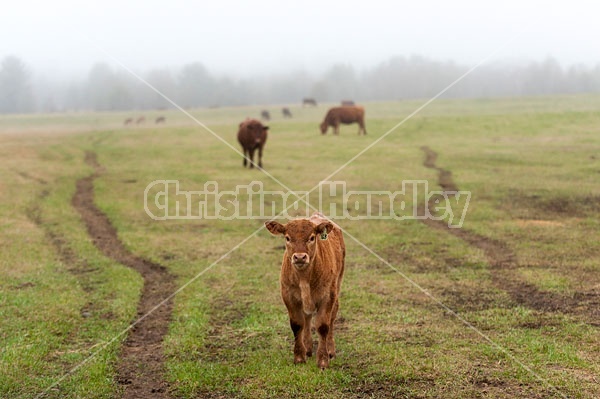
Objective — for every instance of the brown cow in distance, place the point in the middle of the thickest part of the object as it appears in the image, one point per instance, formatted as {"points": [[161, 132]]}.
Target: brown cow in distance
{"points": [[128, 121], [309, 101], [252, 135], [345, 115], [347, 103], [265, 115], [311, 277], [141, 119], [160, 119], [286, 112]]}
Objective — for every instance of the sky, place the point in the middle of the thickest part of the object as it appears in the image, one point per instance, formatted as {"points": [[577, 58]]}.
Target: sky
{"points": [[245, 38]]}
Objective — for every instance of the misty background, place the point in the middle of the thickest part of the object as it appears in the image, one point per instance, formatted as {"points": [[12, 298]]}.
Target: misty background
{"points": [[67, 56], [107, 88]]}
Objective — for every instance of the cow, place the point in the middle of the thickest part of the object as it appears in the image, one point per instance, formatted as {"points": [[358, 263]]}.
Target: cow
{"points": [[141, 119], [265, 115], [128, 121], [311, 276], [252, 136], [309, 101], [286, 112], [347, 103], [160, 119], [345, 115]]}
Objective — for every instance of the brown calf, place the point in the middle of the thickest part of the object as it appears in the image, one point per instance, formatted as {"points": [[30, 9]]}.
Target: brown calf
{"points": [[252, 136], [311, 276], [346, 115]]}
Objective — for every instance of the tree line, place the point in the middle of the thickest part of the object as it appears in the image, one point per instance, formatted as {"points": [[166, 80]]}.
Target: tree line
{"points": [[107, 88]]}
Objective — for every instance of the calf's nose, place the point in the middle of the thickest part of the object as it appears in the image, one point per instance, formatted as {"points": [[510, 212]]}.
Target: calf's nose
{"points": [[300, 258]]}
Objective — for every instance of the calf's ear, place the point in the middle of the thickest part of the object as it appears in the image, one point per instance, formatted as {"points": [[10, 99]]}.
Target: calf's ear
{"points": [[265, 127], [324, 227], [275, 227]]}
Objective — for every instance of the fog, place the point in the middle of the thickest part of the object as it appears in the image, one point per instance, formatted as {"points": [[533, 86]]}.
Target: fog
{"points": [[268, 52]]}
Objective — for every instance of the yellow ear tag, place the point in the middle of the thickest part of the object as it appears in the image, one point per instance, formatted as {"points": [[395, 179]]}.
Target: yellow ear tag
{"points": [[324, 235]]}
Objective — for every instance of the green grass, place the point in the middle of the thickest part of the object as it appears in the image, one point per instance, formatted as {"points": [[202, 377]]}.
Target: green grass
{"points": [[61, 300], [531, 164]]}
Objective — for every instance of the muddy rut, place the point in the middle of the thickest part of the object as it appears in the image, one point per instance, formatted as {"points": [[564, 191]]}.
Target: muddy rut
{"points": [[140, 370], [503, 260]]}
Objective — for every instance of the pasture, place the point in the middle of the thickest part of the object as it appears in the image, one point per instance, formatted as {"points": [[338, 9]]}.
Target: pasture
{"points": [[507, 306]]}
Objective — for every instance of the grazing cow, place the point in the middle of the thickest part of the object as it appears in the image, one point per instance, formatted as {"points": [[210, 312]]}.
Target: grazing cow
{"points": [[160, 119], [252, 135], [265, 115], [345, 115], [141, 119], [128, 121], [309, 101], [311, 277], [347, 103], [286, 112]]}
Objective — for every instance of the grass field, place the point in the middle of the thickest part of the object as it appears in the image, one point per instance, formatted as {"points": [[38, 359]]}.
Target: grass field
{"points": [[507, 306]]}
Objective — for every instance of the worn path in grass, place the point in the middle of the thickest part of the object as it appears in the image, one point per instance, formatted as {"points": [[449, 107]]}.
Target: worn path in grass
{"points": [[74, 264], [141, 366], [503, 261]]}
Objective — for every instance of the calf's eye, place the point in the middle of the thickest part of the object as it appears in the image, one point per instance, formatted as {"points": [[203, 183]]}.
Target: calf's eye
{"points": [[312, 238], [287, 239]]}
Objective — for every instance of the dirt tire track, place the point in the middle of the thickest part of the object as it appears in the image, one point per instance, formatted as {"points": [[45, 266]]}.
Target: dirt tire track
{"points": [[444, 176], [73, 264], [141, 366], [66, 255], [27, 176], [503, 260]]}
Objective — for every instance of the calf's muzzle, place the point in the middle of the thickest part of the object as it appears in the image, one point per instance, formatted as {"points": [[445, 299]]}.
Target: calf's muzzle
{"points": [[300, 259]]}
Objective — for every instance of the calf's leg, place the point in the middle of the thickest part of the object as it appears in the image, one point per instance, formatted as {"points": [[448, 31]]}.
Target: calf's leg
{"points": [[324, 329], [308, 342], [330, 340], [298, 325]]}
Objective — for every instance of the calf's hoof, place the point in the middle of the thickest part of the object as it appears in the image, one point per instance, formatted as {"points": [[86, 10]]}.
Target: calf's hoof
{"points": [[323, 364], [299, 359]]}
